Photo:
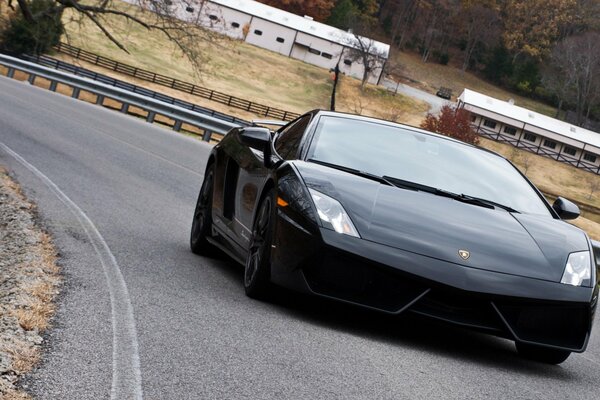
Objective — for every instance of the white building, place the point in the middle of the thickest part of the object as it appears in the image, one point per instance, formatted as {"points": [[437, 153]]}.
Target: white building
{"points": [[291, 35], [538, 133]]}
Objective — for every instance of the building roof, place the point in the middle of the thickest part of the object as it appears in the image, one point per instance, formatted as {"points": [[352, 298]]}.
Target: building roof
{"points": [[528, 117], [299, 23]]}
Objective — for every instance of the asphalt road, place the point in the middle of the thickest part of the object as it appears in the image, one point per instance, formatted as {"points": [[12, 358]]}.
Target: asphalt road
{"points": [[141, 316], [435, 103]]}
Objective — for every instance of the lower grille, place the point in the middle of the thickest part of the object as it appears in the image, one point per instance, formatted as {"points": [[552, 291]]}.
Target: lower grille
{"points": [[456, 307], [360, 281], [552, 324]]}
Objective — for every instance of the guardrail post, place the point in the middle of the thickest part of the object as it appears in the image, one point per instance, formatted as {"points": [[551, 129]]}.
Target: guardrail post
{"points": [[31, 79], [124, 108], [99, 99], [150, 117], [52, 86], [177, 126], [207, 135], [75, 93], [10, 73]]}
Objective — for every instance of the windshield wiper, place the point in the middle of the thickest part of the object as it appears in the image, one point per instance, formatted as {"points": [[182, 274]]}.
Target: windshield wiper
{"points": [[478, 200], [404, 184], [444, 193], [353, 171]]}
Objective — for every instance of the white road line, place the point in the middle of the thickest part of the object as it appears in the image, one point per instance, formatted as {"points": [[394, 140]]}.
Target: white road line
{"points": [[127, 378]]}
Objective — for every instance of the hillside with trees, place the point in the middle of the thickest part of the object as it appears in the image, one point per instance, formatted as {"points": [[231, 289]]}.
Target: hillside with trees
{"points": [[544, 49]]}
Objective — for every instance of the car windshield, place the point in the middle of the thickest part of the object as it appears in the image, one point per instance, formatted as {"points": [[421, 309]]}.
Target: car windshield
{"points": [[400, 153]]}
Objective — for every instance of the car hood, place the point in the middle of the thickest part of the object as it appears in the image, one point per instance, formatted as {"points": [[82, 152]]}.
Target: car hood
{"points": [[439, 227]]}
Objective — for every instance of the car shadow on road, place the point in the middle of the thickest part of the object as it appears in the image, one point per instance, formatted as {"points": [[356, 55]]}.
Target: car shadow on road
{"points": [[407, 330]]}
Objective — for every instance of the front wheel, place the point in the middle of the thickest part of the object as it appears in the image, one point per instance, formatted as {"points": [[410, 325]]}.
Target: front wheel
{"points": [[202, 222], [542, 354], [257, 280]]}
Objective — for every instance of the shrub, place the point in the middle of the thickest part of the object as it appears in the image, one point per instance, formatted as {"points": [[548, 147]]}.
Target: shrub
{"points": [[453, 122], [37, 37]]}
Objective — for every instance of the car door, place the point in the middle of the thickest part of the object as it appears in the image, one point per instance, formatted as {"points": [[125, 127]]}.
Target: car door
{"points": [[253, 176]]}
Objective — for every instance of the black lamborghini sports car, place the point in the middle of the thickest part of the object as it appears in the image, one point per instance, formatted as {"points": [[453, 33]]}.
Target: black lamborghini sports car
{"points": [[398, 219]]}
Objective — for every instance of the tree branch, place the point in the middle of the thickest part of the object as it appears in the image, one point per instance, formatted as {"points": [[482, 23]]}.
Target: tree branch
{"points": [[104, 30]]}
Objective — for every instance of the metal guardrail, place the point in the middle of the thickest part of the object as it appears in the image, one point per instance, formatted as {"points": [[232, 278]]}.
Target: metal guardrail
{"points": [[86, 73], [223, 98], [154, 107]]}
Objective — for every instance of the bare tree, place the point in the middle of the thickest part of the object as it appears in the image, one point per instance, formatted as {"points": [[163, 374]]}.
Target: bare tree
{"points": [[556, 77], [163, 18], [365, 51], [576, 61], [480, 25], [401, 14], [526, 162], [593, 185], [359, 104]]}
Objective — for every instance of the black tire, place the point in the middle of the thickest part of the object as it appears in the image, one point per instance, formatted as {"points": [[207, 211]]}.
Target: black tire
{"points": [[257, 271], [542, 354], [202, 221]]}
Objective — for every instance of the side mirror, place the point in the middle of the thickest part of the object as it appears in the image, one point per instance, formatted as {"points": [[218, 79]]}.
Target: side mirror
{"points": [[258, 139], [566, 209]]}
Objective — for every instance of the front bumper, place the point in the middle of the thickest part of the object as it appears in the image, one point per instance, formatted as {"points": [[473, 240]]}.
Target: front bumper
{"points": [[394, 281]]}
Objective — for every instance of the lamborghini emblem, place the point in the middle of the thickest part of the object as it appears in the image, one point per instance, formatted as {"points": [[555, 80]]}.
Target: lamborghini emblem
{"points": [[464, 254]]}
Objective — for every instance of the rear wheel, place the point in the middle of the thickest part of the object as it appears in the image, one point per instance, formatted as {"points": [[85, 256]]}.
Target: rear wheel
{"points": [[542, 354], [257, 271], [202, 222]]}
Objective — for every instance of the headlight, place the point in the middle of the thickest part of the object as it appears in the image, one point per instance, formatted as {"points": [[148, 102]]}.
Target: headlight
{"points": [[578, 270], [333, 214]]}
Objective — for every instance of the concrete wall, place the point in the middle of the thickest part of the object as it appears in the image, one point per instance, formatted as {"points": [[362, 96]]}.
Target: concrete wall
{"points": [[304, 42], [270, 33]]}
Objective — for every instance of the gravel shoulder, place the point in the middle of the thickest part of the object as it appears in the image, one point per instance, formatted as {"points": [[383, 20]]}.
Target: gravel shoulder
{"points": [[30, 280]]}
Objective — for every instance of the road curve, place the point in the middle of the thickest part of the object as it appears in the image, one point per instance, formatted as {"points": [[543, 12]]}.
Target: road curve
{"points": [[198, 336]]}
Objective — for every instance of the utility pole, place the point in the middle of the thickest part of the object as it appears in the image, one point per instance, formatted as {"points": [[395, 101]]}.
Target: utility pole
{"points": [[336, 75]]}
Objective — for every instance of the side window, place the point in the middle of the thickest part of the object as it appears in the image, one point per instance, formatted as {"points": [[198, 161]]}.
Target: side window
{"points": [[289, 139]]}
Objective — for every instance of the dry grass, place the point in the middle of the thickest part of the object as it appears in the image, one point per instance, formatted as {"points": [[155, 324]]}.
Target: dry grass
{"points": [[549, 175], [32, 283], [432, 75], [15, 395], [238, 69], [591, 227]]}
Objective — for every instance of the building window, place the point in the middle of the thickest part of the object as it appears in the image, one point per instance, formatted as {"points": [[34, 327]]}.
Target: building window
{"points": [[569, 150], [189, 9], [348, 62], [213, 17], [530, 137], [589, 157], [511, 130], [280, 39], [550, 143], [235, 25], [490, 124], [473, 118], [257, 32], [313, 51], [327, 56]]}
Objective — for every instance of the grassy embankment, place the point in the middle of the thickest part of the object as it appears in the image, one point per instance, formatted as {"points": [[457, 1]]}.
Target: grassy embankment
{"points": [[241, 70]]}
